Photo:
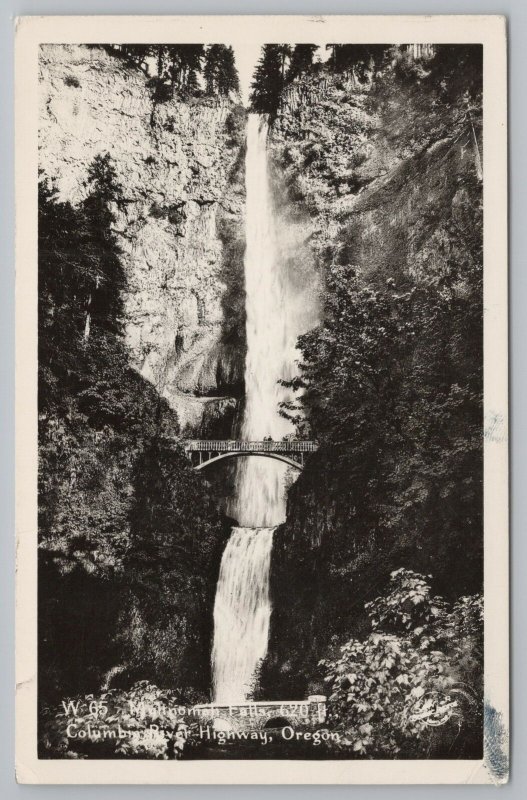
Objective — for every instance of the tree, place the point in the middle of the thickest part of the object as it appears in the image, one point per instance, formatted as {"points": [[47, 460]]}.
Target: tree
{"points": [[301, 60], [64, 274], [184, 65], [81, 281], [136, 53], [178, 67], [100, 425], [192, 86], [211, 68], [361, 58], [104, 299], [160, 53], [80, 274], [228, 80], [269, 78], [221, 76], [166, 628], [392, 383]]}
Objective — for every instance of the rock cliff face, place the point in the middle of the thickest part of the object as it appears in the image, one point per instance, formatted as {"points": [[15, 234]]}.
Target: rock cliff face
{"points": [[378, 164], [180, 164]]}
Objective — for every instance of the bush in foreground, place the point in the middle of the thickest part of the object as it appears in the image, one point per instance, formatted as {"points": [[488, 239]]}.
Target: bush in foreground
{"points": [[144, 722], [414, 685]]}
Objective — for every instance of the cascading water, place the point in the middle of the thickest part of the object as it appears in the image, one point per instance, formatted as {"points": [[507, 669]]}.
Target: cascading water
{"points": [[241, 612], [242, 607], [271, 342]]}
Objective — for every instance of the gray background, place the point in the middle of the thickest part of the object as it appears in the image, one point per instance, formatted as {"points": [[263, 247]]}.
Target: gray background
{"points": [[516, 11]]}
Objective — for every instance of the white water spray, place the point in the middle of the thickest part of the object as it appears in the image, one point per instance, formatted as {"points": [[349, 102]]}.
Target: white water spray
{"points": [[242, 608]]}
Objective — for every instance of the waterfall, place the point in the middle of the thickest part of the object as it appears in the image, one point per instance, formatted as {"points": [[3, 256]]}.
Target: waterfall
{"points": [[241, 612], [271, 342], [242, 607]]}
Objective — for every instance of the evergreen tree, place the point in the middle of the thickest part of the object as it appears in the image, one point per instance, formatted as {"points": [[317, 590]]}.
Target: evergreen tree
{"points": [[137, 53], [95, 415], [160, 52], [221, 76], [178, 67], [63, 275], [104, 300], [269, 78], [301, 60], [184, 65], [358, 57], [81, 285], [211, 68], [285, 51], [192, 85], [228, 80]]}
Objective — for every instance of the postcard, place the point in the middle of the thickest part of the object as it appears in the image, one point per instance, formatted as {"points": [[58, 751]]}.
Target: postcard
{"points": [[262, 488]]}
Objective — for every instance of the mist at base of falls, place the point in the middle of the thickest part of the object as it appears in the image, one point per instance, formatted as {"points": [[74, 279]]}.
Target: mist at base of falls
{"points": [[274, 314]]}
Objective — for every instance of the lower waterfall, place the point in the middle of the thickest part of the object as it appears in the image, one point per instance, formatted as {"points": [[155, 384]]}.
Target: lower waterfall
{"points": [[242, 606], [241, 613]]}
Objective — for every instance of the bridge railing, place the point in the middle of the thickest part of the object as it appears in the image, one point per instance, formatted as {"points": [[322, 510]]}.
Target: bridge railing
{"points": [[232, 445]]}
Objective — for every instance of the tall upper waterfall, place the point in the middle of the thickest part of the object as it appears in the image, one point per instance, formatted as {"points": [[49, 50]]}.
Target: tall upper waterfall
{"points": [[271, 342], [242, 608]]}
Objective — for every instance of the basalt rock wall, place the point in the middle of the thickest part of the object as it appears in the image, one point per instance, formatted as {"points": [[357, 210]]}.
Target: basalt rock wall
{"points": [[180, 221]]}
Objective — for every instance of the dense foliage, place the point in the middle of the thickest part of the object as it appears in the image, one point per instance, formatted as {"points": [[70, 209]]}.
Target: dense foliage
{"points": [[142, 722], [358, 57], [269, 78], [301, 60], [392, 385], [171, 566], [412, 686], [80, 285], [220, 74], [452, 68], [108, 456], [281, 64], [278, 66], [408, 688]]}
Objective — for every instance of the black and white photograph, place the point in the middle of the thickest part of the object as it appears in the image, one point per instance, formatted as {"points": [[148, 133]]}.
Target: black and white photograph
{"points": [[261, 409]]}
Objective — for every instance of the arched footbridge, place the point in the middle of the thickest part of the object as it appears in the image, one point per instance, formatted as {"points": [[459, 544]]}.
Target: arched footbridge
{"points": [[204, 452]]}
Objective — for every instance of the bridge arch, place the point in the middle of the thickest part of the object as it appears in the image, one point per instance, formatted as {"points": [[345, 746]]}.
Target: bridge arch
{"points": [[240, 454], [210, 451]]}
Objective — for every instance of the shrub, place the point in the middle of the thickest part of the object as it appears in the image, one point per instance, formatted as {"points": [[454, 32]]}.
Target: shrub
{"points": [[144, 722], [414, 684], [71, 80]]}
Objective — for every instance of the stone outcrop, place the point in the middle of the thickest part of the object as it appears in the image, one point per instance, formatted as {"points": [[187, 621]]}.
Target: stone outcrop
{"points": [[180, 220]]}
